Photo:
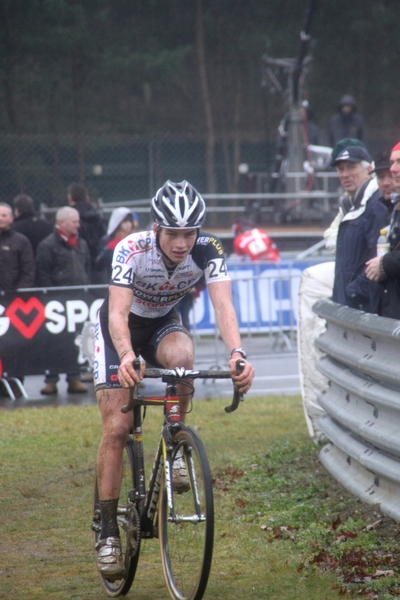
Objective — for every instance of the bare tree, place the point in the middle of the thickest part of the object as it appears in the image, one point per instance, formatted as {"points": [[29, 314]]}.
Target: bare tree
{"points": [[9, 64], [205, 91]]}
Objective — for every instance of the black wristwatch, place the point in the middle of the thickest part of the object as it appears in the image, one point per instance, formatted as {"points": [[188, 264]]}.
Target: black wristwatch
{"points": [[240, 351]]}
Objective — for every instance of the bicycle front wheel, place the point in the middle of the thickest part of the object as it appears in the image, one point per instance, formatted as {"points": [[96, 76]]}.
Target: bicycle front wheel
{"points": [[129, 527], [186, 528]]}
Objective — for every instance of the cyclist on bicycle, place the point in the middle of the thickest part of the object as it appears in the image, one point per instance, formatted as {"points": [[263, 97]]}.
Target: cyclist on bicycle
{"points": [[152, 271]]}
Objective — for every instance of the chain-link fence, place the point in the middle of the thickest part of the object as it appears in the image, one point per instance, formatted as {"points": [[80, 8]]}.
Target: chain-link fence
{"points": [[120, 168]]}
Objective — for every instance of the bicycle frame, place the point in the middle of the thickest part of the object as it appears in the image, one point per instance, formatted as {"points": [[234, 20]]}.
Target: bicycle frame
{"points": [[147, 501], [178, 510]]}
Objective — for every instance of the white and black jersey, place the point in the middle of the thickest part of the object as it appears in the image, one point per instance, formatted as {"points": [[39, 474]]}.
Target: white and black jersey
{"points": [[138, 265]]}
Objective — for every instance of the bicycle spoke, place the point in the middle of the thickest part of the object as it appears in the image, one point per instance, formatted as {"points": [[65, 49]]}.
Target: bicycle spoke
{"points": [[186, 533]]}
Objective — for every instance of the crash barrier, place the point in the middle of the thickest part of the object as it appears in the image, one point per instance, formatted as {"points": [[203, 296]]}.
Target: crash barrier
{"points": [[316, 284], [362, 403], [51, 329]]}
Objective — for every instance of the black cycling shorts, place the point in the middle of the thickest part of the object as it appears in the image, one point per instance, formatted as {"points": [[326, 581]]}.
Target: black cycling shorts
{"points": [[146, 334]]}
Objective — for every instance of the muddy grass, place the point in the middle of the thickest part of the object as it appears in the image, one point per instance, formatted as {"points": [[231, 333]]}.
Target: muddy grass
{"points": [[341, 535], [284, 527], [359, 565]]}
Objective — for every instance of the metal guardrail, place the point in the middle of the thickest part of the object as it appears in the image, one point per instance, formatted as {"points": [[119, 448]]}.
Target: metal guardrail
{"points": [[362, 403]]}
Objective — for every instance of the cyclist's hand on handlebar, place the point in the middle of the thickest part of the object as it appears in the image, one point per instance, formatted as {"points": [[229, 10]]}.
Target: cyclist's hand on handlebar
{"points": [[127, 374], [245, 379]]}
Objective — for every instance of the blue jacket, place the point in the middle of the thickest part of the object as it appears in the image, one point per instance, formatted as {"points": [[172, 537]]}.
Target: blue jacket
{"points": [[356, 243]]}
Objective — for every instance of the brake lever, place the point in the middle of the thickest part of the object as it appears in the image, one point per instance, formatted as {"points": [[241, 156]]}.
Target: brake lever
{"points": [[133, 391], [237, 396]]}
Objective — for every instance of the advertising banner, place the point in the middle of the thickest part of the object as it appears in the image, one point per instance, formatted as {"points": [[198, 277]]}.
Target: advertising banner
{"points": [[52, 330], [264, 296], [41, 330]]}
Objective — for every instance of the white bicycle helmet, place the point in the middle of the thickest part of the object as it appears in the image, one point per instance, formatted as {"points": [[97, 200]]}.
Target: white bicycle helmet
{"points": [[178, 205]]}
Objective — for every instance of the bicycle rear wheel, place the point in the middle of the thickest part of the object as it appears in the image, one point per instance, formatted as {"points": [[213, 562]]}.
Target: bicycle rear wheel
{"points": [[187, 531], [129, 527]]}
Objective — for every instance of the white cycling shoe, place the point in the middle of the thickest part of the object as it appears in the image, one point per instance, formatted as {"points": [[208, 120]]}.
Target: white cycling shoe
{"points": [[180, 479], [109, 558]]}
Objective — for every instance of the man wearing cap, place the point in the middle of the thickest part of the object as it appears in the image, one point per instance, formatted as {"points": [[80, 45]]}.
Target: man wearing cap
{"points": [[330, 234], [386, 269], [362, 216], [384, 178]]}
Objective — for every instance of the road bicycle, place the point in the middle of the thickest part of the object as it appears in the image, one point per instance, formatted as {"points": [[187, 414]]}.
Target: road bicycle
{"points": [[183, 522]]}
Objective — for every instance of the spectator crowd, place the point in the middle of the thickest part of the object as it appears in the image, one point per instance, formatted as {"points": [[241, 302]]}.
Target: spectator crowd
{"points": [[78, 249], [366, 231]]}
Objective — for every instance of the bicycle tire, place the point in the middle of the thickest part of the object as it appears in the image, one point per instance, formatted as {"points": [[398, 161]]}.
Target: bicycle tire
{"points": [[186, 545], [129, 527]]}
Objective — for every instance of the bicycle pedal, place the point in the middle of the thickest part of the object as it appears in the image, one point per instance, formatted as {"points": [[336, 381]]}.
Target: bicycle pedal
{"points": [[96, 526]]}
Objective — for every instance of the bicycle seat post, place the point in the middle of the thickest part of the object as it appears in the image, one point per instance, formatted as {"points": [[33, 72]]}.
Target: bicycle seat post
{"points": [[172, 408]]}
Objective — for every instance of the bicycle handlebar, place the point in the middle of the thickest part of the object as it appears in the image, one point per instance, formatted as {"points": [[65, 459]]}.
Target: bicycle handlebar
{"points": [[180, 373], [237, 396]]}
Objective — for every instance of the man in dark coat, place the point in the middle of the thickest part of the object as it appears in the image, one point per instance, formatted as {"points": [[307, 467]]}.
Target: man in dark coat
{"points": [[92, 227], [384, 178], [63, 259], [346, 123], [26, 222], [17, 262], [17, 267], [386, 269], [362, 217]]}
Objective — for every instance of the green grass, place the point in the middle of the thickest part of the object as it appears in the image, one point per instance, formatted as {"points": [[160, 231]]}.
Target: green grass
{"points": [[284, 528]]}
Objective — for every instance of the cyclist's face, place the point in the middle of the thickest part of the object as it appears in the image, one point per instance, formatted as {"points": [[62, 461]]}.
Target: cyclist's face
{"points": [[176, 243]]}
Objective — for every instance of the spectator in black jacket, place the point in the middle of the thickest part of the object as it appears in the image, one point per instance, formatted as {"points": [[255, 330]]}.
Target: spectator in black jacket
{"points": [[384, 178], [17, 262], [386, 269], [362, 216], [346, 123], [63, 259], [17, 267], [92, 227], [26, 222]]}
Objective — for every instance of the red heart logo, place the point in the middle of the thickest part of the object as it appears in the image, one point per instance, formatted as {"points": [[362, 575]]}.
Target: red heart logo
{"points": [[32, 305]]}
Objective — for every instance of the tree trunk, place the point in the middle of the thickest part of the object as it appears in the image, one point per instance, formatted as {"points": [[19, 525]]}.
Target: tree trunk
{"points": [[221, 104], [77, 83], [210, 132], [9, 69], [236, 129]]}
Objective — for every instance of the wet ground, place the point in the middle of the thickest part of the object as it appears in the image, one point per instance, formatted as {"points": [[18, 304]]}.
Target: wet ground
{"points": [[275, 362]]}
